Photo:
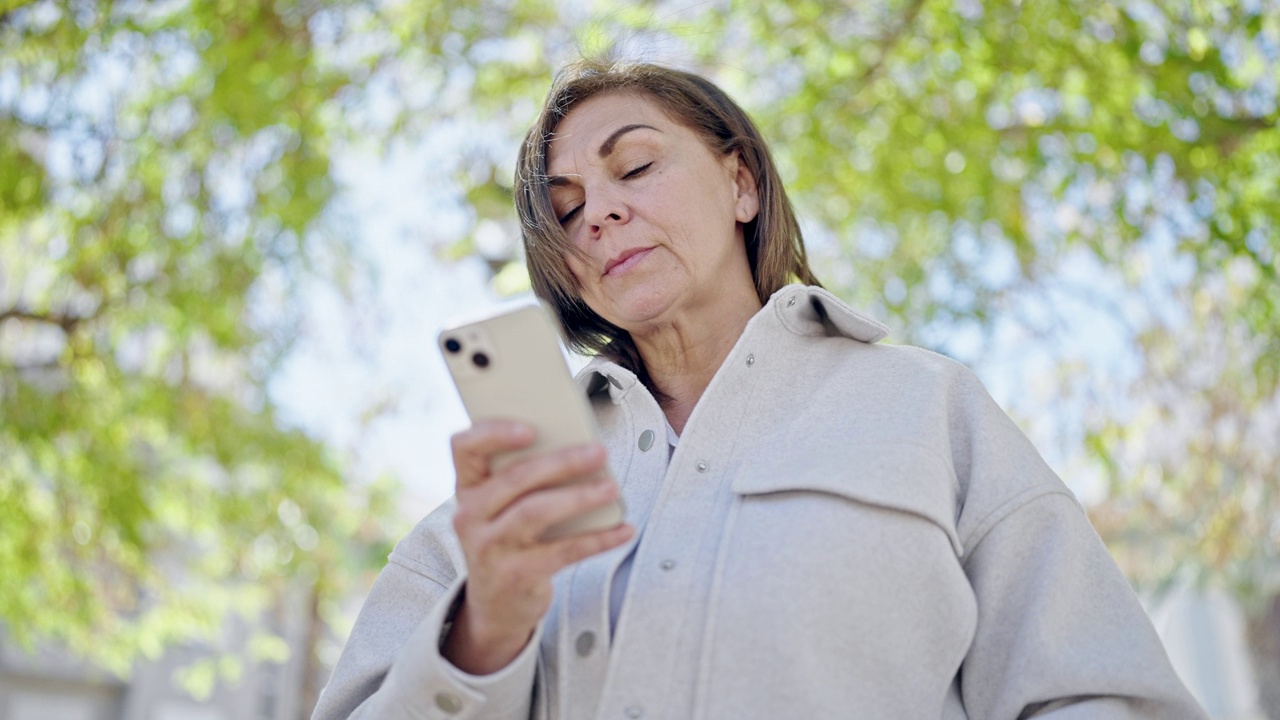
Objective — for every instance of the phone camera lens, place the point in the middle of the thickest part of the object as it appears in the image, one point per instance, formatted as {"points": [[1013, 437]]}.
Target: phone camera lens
{"points": [[480, 359], [452, 345]]}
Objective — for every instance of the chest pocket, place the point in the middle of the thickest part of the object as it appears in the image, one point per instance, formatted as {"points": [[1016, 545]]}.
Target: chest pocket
{"points": [[845, 563], [899, 477]]}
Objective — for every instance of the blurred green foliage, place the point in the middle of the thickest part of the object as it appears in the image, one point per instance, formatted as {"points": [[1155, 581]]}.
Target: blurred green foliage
{"points": [[163, 171], [165, 167]]}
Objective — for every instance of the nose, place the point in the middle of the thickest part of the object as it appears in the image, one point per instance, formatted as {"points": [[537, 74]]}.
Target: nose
{"points": [[602, 209]]}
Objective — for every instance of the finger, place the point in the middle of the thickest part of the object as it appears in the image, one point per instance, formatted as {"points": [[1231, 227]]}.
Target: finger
{"points": [[474, 447], [526, 520], [535, 473], [551, 556]]}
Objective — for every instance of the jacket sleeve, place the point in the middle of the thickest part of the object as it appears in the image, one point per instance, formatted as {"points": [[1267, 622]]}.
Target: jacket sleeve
{"points": [[392, 669], [1060, 634]]}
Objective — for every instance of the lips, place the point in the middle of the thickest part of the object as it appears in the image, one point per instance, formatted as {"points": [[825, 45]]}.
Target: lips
{"points": [[624, 260]]}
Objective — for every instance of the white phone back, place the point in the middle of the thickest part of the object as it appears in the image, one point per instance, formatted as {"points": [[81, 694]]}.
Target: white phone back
{"points": [[525, 379]]}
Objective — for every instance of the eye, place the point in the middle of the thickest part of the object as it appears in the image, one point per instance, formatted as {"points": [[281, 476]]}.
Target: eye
{"points": [[569, 215], [636, 172]]}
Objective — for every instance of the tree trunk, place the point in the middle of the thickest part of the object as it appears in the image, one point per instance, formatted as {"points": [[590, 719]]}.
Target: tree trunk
{"points": [[1264, 649], [312, 673]]}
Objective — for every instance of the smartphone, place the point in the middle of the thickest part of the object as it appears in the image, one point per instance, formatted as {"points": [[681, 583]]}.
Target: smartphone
{"points": [[510, 366]]}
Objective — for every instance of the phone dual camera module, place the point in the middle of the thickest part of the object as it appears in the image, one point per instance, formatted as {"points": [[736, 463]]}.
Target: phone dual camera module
{"points": [[478, 358]]}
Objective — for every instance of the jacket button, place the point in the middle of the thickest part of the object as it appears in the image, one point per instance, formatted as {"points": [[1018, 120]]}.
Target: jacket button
{"points": [[646, 440], [634, 711], [702, 466], [751, 360], [586, 641], [448, 702], [667, 564], [790, 302]]}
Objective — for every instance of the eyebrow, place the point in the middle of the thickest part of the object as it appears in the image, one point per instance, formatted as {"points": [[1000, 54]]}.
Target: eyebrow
{"points": [[606, 148]]}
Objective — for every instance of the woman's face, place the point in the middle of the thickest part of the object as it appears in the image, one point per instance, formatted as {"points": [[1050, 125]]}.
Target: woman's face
{"points": [[658, 215]]}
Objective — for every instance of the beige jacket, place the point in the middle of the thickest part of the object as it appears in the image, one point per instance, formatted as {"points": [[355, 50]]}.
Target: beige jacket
{"points": [[846, 530]]}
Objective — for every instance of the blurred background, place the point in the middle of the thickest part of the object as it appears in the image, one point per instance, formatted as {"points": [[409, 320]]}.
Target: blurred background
{"points": [[229, 232]]}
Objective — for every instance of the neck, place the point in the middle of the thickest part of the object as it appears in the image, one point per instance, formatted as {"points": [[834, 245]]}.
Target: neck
{"points": [[683, 354]]}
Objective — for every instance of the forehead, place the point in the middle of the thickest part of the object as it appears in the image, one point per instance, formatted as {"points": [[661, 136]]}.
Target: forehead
{"points": [[590, 122]]}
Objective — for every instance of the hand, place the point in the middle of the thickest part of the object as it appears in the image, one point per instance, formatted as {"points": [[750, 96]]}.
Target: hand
{"points": [[500, 520]]}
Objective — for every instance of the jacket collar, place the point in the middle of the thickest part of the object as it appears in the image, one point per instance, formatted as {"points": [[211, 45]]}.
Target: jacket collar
{"points": [[802, 309], [809, 310], [600, 375]]}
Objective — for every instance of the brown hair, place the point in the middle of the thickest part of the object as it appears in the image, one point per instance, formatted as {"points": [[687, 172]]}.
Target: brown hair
{"points": [[775, 248]]}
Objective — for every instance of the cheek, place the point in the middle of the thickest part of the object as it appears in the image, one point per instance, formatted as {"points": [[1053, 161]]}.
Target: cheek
{"points": [[580, 272]]}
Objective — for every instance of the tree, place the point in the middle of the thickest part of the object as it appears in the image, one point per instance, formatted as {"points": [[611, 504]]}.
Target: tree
{"points": [[163, 177], [949, 159]]}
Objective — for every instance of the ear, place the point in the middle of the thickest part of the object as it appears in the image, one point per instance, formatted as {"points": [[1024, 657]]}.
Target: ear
{"points": [[746, 195]]}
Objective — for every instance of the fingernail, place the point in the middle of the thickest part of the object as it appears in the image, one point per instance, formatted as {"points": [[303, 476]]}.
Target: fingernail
{"points": [[519, 431]]}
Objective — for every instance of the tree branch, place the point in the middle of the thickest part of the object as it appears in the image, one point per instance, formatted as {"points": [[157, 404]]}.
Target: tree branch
{"points": [[66, 322], [887, 43]]}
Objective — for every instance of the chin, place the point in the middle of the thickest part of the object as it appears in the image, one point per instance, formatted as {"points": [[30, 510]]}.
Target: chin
{"points": [[638, 306]]}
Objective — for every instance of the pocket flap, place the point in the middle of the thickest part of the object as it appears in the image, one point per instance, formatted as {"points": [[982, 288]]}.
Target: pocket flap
{"points": [[902, 477]]}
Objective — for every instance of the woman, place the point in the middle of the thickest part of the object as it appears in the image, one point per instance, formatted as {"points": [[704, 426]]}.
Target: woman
{"points": [[832, 528]]}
